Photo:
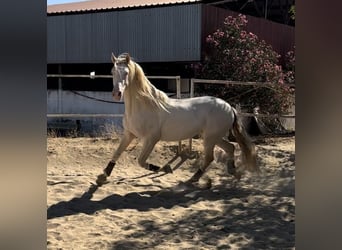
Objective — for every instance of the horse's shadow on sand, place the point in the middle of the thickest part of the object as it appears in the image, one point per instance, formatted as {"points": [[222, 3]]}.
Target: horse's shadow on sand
{"points": [[183, 194], [263, 223], [142, 201]]}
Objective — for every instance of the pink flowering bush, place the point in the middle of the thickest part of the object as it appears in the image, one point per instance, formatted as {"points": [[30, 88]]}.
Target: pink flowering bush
{"points": [[238, 55], [290, 60]]}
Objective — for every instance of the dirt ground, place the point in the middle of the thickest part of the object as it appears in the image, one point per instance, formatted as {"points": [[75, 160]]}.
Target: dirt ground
{"points": [[139, 209]]}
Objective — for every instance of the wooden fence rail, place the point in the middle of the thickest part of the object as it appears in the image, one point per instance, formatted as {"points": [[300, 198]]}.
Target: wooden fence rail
{"points": [[83, 115], [226, 82], [193, 81]]}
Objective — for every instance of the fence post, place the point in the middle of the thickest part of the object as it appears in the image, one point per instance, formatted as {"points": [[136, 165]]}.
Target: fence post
{"points": [[192, 90], [60, 86], [192, 87], [178, 89]]}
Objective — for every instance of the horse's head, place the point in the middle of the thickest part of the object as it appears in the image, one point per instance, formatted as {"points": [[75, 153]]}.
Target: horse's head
{"points": [[120, 73]]}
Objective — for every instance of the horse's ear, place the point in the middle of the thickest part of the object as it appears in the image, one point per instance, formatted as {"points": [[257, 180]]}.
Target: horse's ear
{"points": [[113, 58], [128, 58]]}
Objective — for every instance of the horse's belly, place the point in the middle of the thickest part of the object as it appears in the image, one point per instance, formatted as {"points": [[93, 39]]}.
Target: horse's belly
{"points": [[181, 127], [177, 135]]}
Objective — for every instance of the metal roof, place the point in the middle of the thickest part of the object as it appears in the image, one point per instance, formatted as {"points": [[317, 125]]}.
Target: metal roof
{"points": [[93, 5]]}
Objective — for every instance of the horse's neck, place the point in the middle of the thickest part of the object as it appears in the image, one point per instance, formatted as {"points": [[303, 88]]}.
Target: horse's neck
{"points": [[130, 105], [135, 104]]}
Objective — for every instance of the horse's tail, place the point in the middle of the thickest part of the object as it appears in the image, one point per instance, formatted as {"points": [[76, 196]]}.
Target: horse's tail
{"points": [[246, 145]]}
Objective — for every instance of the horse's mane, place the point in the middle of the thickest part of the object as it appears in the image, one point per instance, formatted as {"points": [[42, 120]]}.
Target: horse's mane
{"points": [[142, 89]]}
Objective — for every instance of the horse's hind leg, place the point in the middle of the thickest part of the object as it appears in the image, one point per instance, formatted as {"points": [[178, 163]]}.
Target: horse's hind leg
{"points": [[208, 158], [229, 148], [125, 141], [148, 145]]}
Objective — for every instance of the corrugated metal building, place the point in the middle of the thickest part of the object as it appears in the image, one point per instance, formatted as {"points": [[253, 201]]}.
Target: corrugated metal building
{"points": [[159, 34], [150, 30]]}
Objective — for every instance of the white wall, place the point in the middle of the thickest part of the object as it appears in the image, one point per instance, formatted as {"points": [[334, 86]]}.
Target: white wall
{"points": [[74, 104]]}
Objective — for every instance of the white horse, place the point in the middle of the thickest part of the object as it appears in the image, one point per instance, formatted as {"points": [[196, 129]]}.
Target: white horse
{"points": [[152, 116]]}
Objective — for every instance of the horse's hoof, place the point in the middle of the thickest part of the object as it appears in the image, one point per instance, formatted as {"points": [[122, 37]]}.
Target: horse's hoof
{"points": [[153, 168], [101, 179], [192, 181], [167, 169], [208, 183], [238, 175], [231, 169]]}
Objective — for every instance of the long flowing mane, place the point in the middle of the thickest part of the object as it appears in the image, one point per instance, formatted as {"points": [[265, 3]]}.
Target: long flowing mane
{"points": [[141, 88]]}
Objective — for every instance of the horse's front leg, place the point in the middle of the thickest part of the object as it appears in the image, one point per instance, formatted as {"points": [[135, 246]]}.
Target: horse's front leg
{"points": [[125, 141]]}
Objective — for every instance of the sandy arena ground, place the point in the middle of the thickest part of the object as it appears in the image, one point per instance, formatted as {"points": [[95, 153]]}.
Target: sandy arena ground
{"points": [[139, 209]]}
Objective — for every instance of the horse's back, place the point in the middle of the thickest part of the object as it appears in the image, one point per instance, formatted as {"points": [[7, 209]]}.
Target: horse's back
{"points": [[204, 105], [191, 116]]}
